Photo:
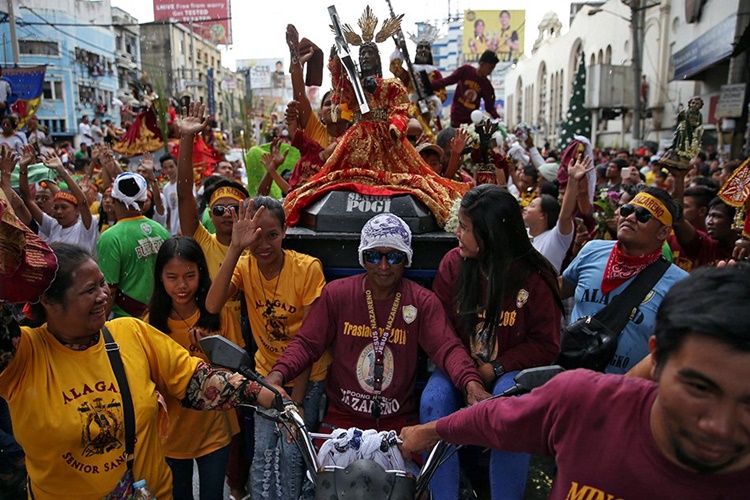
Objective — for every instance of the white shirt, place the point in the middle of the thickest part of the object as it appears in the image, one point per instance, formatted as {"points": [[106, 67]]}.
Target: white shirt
{"points": [[84, 130], [77, 234], [553, 245], [5, 90], [171, 210], [97, 134]]}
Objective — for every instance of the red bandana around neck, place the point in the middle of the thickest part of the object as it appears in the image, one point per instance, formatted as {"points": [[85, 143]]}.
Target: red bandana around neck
{"points": [[620, 267]]}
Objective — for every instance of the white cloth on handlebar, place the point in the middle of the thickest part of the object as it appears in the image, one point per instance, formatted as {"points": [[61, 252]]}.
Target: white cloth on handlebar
{"points": [[348, 445]]}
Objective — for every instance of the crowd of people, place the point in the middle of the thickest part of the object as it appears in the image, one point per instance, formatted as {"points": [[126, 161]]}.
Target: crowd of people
{"points": [[115, 270]]}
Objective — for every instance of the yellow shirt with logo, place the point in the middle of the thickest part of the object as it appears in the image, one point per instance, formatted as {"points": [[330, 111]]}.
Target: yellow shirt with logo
{"points": [[276, 307], [192, 433], [67, 410], [215, 253]]}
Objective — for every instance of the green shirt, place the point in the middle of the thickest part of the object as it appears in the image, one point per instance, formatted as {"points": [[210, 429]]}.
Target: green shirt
{"points": [[127, 256], [207, 222]]}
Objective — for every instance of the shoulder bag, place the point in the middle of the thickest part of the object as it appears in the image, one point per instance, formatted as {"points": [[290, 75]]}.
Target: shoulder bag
{"points": [[591, 341]]}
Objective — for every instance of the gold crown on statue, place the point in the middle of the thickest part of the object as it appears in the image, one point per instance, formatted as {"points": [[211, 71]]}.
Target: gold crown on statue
{"points": [[427, 34], [367, 23]]}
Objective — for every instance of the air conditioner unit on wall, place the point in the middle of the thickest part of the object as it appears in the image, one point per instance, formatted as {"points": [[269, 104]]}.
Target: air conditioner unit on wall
{"points": [[609, 86]]}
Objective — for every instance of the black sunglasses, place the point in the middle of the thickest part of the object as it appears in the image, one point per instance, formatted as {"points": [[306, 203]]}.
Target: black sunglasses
{"points": [[394, 257], [219, 210], [641, 214]]}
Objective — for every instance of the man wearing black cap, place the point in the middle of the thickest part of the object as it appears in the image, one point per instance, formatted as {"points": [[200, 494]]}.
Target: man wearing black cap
{"points": [[472, 85]]}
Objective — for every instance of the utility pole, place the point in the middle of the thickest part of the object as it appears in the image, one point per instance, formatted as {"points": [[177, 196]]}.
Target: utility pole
{"points": [[13, 36], [192, 62], [636, 26]]}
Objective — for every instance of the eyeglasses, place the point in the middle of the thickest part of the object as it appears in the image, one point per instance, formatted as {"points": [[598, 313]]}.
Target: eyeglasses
{"points": [[219, 210], [394, 257], [641, 214]]}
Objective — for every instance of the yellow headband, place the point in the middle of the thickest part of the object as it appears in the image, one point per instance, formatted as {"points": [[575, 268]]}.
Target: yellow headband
{"points": [[62, 195], [653, 205], [227, 192]]}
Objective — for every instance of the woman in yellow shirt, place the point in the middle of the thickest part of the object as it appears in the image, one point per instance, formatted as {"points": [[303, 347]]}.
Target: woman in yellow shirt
{"points": [[279, 286], [178, 308], [67, 405]]}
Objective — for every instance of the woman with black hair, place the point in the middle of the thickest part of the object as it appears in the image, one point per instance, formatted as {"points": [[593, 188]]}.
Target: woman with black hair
{"points": [[69, 408], [502, 297], [107, 216], [178, 308]]}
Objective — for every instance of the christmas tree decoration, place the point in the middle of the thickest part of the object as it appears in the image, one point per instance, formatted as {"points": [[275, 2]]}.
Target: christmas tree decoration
{"points": [[578, 118]]}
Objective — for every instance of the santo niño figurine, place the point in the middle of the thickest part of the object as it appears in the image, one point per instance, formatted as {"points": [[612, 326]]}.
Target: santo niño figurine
{"points": [[687, 136]]}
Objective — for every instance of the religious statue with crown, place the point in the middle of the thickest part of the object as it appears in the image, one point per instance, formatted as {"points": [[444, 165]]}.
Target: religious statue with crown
{"points": [[374, 157], [688, 133], [417, 79]]}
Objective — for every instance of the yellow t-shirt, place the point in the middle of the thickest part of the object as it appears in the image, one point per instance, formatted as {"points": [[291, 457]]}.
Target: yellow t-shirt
{"points": [[300, 283], [192, 433], [316, 131], [67, 410], [215, 253]]}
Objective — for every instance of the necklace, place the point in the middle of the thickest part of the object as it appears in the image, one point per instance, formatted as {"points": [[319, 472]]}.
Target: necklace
{"points": [[191, 328], [378, 346], [270, 307]]}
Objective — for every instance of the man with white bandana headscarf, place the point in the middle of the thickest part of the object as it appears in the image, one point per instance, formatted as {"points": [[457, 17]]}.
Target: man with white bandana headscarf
{"points": [[127, 250], [371, 380]]}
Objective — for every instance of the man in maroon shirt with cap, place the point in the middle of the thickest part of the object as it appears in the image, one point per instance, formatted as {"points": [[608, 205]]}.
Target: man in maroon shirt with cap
{"points": [[371, 380]]}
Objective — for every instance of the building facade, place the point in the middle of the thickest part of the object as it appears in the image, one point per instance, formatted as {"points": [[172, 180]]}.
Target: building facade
{"points": [[188, 67], [81, 74], [683, 53]]}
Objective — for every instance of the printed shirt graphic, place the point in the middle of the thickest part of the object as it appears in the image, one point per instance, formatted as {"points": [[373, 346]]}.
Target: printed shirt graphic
{"points": [[68, 410], [127, 255], [586, 273], [275, 307], [340, 320], [528, 329]]}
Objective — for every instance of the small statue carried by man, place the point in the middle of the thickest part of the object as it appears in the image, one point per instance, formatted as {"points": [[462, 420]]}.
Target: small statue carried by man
{"points": [[687, 136]]}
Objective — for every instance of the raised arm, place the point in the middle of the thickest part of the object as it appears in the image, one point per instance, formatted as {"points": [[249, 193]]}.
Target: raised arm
{"points": [[271, 162], [458, 144], [192, 123], [7, 164], [52, 161], [27, 158], [110, 168], [148, 173], [576, 172], [299, 56], [245, 231], [684, 231]]}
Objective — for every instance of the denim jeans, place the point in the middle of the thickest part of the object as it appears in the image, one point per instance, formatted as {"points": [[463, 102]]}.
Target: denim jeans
{"points": [[507, 470], [277, 470], [10, 451], [211, 469]]}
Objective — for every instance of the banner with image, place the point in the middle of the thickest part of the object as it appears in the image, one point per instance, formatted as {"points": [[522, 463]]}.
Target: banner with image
{"points": [[501, 31]]}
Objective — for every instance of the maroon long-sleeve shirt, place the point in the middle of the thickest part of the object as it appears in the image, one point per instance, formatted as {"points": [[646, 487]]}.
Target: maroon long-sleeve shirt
{"points": [[339, 320], [528, 333]]}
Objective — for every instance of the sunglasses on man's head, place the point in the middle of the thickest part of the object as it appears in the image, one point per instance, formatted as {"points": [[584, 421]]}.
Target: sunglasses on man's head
{"points": [[641, 214], [219, 210], [394, 257]]}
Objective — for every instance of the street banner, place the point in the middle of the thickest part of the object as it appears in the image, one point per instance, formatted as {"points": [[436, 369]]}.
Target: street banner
{"points": [[210, 18]]}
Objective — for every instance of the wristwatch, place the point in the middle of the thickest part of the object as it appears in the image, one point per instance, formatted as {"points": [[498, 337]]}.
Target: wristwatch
{"points": [[497, 367]]}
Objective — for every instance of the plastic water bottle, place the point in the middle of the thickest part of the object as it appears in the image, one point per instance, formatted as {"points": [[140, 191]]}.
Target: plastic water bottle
{"points": [[141, 491]]}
